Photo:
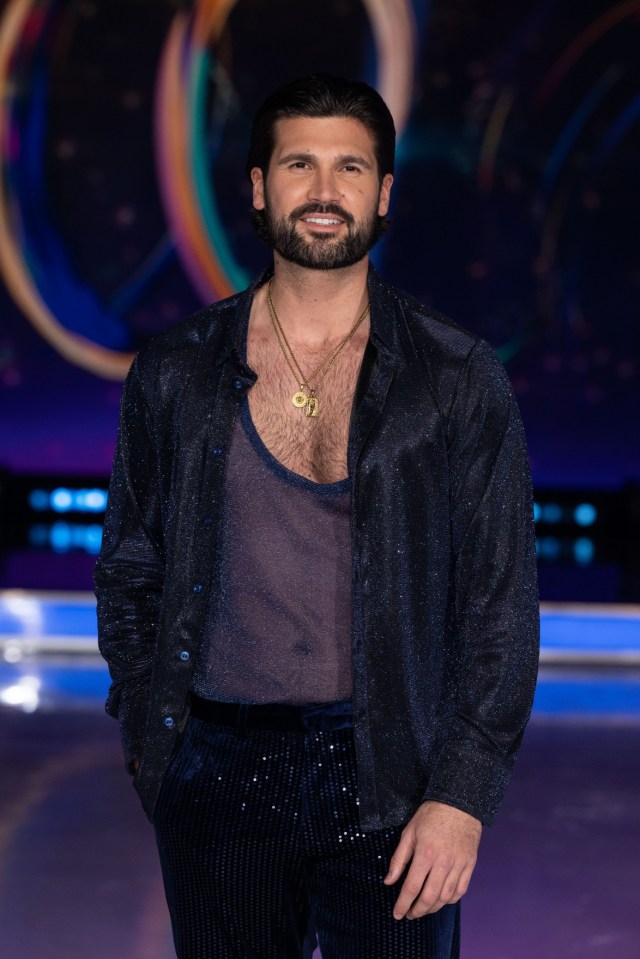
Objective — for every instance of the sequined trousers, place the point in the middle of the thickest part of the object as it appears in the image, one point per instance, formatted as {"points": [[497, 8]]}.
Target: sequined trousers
{"points": [[263, 857]]}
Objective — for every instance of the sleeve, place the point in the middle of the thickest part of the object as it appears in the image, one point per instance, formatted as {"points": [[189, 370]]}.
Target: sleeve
{"points": [[129, 572], [495, 640]]}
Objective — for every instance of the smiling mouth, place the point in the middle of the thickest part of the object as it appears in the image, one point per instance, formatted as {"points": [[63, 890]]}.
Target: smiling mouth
{"points": [[322, 220]]}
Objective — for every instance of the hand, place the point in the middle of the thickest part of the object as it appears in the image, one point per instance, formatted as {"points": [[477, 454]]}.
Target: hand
{"points": [[442, 844]]}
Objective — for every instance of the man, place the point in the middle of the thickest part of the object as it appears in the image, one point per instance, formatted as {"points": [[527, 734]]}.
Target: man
{"points": [[316, 591]]}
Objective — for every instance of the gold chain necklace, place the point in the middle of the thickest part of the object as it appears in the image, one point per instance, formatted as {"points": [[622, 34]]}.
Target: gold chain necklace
{"points": [[300, 399]]}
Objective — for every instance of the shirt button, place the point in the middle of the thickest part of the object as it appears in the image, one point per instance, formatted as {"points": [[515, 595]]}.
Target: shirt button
{"points": [[184, 655], [207, 521], [197, 587], [217, 451], [168, 722], [238, 385]]}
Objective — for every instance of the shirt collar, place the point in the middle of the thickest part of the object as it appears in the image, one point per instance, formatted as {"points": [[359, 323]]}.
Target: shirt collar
{"points": [[384, 315]]}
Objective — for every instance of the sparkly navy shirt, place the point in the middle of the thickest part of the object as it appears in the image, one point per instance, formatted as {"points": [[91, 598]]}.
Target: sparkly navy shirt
{"points": [[444, 628], [278, 627]]}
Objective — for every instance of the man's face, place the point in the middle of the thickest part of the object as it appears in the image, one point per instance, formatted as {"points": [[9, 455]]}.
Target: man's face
{"points": [[322, 196]]}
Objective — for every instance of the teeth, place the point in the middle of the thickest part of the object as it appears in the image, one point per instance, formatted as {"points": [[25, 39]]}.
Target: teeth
{"points": [[323, 221]]}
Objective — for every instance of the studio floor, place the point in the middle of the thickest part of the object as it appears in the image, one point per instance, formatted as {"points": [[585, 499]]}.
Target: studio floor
{"points": [[557, 876]]}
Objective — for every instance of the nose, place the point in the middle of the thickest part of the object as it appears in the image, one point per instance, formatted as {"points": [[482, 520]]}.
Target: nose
{"points": [[323, 187]]}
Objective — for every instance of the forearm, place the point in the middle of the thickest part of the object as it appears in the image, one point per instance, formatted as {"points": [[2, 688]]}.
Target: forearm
{"points": [[494, 661], [128, 607], [493, 636], [128, 614], [129, 573]]}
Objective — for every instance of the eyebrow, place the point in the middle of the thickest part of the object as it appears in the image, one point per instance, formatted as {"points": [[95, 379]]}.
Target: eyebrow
{"points": [[310, 158]]}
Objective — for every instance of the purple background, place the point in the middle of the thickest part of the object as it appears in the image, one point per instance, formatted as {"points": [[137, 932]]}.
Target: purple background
{"points": [[567, 330]]}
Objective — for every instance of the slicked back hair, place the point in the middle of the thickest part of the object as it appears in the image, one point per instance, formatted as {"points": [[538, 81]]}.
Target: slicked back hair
{"points": [[323, 95]]}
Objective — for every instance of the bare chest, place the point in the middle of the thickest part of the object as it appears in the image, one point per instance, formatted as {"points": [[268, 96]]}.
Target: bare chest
{"points": [[313, 446]]}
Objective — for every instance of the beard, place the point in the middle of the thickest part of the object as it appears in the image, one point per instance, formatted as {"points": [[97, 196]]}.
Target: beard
{"points": [[321, 251]]}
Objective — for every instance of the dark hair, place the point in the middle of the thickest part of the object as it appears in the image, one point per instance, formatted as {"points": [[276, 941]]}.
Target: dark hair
{"points": [[323, 95]]}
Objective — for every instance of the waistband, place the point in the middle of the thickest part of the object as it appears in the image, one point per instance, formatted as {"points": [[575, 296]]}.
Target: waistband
{"points": [[278, 717]]}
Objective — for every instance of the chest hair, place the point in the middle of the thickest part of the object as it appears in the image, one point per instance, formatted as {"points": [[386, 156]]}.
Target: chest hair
{"points": [[314, 447]]}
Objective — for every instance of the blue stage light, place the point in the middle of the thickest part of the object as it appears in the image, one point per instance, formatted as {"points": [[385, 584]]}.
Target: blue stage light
{"points": [[536, 512], [61, 500], [584, 551], [65, 500], [60, 537], [585, 514], [549, 547], [64, 537], [39, 534], [93, 539], [551, 513], [90, 500], [39, 500]]}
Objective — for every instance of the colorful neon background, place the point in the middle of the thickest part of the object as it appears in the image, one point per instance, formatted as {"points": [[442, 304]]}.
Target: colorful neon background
{"points": [[123, 201]]}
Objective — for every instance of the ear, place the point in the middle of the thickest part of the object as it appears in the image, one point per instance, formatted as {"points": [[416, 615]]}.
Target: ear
{"points": [[257, 180], [385, 194]]}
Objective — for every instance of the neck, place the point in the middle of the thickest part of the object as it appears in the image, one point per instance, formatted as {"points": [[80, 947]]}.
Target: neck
{"points": [[319, 304]]}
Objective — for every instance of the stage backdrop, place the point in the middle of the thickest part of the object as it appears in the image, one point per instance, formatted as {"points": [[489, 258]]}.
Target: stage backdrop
{"points": [[123, 197]]}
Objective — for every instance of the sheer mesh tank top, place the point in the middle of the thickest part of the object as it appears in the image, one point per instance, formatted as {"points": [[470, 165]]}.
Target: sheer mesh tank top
{"points": [[278, 627]]}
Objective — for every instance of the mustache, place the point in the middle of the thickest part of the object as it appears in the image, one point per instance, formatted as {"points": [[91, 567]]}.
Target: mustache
{"points": [[326, 209]]}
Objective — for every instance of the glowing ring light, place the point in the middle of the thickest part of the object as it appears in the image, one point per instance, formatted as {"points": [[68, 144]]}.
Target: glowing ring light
{"points": [[188, 197], [105, 362], [186, 189]]}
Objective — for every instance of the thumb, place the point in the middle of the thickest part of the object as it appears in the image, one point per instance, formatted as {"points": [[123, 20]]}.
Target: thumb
{"points": [[400, 858]]}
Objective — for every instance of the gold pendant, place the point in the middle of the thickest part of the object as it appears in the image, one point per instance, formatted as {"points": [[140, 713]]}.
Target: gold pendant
{"points": [[299, 399], [312, 406]]}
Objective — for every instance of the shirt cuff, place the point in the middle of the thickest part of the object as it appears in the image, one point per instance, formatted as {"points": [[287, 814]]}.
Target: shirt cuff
{"points": [[469, 778]]}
